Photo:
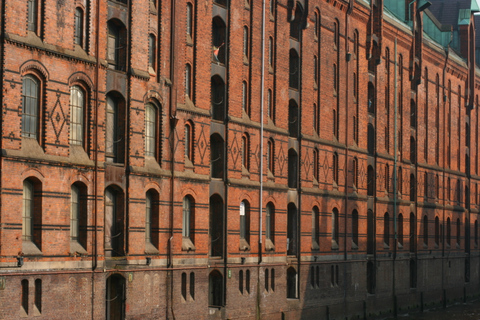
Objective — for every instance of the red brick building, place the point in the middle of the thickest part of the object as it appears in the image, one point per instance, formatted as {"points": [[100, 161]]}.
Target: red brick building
{"points": [[313, 159]]}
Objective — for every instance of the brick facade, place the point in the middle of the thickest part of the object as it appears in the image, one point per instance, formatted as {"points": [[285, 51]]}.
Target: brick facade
{"points": [[369, 126]]}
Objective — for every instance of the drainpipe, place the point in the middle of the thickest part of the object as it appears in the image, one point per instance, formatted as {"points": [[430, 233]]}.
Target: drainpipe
{"points": [[127, 129], [347, 64], [447, 52], [262, 105], [173, 123], [395, 191], [95, 153]]}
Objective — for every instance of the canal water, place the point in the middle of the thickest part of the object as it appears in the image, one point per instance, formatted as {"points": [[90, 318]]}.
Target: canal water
{"points": [[460, 311]]}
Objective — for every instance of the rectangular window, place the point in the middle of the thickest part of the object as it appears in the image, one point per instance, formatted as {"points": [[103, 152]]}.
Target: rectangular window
{"points": [[77, 102]]}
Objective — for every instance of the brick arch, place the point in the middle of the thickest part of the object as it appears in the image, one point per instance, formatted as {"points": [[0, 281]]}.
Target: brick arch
{"points": [[153, 96], [29, 172], [80, 77], [153, 186], [35, 65]]}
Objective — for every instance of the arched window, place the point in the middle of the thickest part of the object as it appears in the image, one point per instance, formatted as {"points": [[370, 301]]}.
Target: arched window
{"points": [[30, 107], [215, 284], [32, 216], [77, 116], [295, 22], [33, 16], [219, 37], [270, 52], [355, 172], [270, 105], [292, 292]]}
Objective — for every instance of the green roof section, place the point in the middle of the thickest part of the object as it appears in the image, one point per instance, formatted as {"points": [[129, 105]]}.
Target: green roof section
{"points": [[397, 8], [474, 7], [439, 33]]}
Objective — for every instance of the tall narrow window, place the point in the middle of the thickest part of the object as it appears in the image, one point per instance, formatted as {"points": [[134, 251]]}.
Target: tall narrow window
{"points": [[25, 295], [240, 281], [116, 45], [335, 228], [400, 230], [316, 118], [245, 97], [315, 164], [270, 222], [184, 286], [78, 216], [189, 20], [386, 229], [449, 232], [79, 27], [115, 128], [315, 72], [152, 221], [38, 294], [245, 44], [150, 129], [152, 52], [315, 228], [425, 231], [437, 231], [245, 151], [28, 210], [270, 156], [244, 225], [270, 52], [192, 285], [355, 172], [188, 218], [370, 181], [294, 70], [30, 107], [335, 168], [459, 228], [33, 15], [188, 80], [355, 229], [270, 110], [189, 141], [77, 115]]}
